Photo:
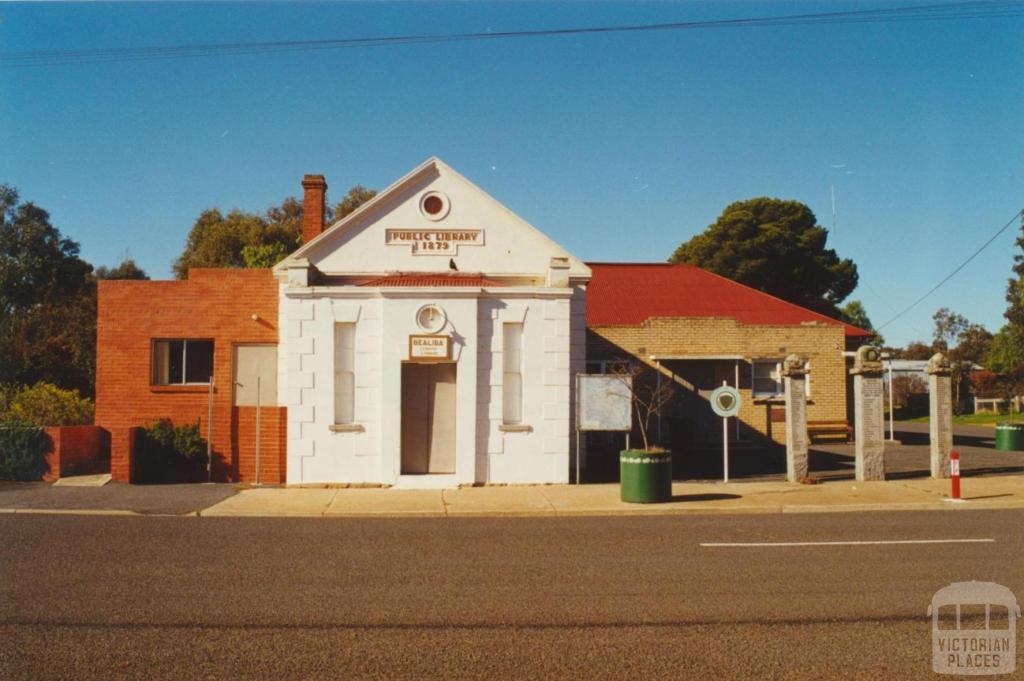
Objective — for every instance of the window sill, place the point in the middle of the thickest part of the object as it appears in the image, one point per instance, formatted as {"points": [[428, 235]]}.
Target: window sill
{"points": [[181, 388], [347, 428], [515, 428], [779, 400]]}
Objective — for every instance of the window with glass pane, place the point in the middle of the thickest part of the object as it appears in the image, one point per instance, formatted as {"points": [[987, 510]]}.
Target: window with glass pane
{"points": [[766, 381], [344, 372], [182, 361], [512, 390]]}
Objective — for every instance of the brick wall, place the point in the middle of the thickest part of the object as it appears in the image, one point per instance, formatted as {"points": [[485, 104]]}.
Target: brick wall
{"points": [[212, 303], [77, 450], [821, 344]]}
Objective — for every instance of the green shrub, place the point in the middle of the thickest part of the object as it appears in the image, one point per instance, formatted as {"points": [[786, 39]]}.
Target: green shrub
{"points": [[44, 404], [168, 453], [23, 447]]}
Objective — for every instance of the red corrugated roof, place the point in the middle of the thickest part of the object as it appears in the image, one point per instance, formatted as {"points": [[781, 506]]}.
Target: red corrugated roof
{"points": [[628, 294], [431, 279]]}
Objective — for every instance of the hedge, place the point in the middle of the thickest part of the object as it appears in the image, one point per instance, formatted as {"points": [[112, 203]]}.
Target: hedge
{"points": [[23, 449], [165, 453]]}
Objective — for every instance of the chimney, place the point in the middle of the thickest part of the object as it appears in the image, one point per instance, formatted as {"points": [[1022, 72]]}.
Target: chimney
{"points": [[314, 193]]}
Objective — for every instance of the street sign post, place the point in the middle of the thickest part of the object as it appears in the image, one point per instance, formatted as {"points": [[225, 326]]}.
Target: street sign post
{"points": [[725, 401]]}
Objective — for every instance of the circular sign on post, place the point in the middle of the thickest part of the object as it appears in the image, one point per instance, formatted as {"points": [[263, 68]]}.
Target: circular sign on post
{"points": [[725, 401]]}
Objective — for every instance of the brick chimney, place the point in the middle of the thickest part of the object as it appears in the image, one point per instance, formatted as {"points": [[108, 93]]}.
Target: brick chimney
{"points": [[314, 193]]}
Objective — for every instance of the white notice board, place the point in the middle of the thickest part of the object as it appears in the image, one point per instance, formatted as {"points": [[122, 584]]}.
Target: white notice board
{"points": [[603, 402]]}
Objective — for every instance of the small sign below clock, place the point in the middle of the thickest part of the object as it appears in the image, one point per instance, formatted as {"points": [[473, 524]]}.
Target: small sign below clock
{"points": [[430, 348]]}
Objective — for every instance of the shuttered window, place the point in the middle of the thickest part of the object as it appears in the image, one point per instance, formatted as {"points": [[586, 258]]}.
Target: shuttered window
{"points": [[344, 373], [512, 390]]}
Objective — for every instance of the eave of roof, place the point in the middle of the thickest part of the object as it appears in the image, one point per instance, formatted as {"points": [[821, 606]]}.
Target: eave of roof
{"points": [[628, 294]]}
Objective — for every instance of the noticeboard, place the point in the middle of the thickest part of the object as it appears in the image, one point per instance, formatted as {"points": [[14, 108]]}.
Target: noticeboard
{"points": [[603, 402]]}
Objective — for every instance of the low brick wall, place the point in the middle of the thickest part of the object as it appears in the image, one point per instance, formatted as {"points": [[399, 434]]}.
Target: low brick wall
{"points": [[77, 450], [122, 452]]}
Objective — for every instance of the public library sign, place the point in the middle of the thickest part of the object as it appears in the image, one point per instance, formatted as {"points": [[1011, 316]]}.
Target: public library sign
{"points": [[434, 241]]}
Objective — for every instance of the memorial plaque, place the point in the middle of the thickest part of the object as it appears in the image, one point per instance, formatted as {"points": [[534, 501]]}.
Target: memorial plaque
{"points": [[940, 425], [869, 434], [796, 428], [794, 370]]}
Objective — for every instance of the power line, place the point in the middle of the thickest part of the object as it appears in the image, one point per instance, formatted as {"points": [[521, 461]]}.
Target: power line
{"points": [[976, 9], [954, 272]]}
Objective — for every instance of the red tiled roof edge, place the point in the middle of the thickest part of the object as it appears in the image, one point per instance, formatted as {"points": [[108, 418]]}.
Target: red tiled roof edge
{"points": [[848, 329]]}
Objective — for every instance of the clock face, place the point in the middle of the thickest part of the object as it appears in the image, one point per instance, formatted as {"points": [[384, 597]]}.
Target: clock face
{"points": [[430, 318]]}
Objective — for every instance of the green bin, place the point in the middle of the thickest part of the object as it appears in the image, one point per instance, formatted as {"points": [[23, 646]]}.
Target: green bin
{"points": [[1010, 437], [645, 477]]}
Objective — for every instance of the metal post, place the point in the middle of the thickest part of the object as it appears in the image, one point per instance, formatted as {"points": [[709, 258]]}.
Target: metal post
{"points": [[892, 427], [209, 435], [257, 430], [658, 365], [737, 386], [577, 456], [725, 448]]}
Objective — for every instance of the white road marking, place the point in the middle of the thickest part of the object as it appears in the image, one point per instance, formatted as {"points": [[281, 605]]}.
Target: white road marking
{"points": [[845, 543]]}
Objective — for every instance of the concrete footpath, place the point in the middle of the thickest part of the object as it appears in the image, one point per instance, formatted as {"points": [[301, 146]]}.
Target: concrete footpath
{"points": [[552, 500], [219, 500]]}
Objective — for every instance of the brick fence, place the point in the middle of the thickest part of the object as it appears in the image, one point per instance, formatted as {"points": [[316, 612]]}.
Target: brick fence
{"points": [[77, 450]]}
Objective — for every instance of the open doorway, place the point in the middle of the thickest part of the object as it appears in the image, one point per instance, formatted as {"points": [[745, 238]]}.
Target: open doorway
{"points": [[428, 418]]}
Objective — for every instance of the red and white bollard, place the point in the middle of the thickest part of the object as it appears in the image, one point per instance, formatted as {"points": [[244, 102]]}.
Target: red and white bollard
{"points": [[954, 475]]}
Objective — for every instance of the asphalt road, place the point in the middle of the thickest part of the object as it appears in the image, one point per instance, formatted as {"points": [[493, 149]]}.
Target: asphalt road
{"points": [[86, 597]]}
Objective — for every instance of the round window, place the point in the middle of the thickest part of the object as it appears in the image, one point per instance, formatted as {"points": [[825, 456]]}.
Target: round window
{"points": [[434, 205]]}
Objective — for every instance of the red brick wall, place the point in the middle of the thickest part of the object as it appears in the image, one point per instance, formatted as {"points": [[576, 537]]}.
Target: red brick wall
{"points": [[77, 450], [122, 451], [212, 303]]}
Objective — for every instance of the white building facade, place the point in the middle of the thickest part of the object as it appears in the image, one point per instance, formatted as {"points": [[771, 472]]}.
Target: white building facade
{"points": [[429, 339]]}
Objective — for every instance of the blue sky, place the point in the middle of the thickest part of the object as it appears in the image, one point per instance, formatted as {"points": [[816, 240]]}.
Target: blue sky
{"points": [[619, 146]]}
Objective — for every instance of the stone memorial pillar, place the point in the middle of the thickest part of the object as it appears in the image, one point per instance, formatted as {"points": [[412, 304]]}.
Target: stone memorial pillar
{"points": [[796, 418], [940, 423], [867, 405]]}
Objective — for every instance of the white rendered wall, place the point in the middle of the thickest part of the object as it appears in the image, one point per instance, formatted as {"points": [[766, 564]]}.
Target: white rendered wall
{"points": [[484, 452], [315, 453]]}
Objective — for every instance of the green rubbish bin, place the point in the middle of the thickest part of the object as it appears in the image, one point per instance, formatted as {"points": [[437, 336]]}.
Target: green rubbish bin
{"points": [[645, 477], [1010, 437]]}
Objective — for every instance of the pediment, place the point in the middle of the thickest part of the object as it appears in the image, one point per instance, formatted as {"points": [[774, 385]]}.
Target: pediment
{"points": [[426, 221]]}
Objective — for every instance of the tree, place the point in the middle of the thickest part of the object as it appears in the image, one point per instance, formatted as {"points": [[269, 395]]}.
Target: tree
{"points": [[357, 196], [241, 239], [948, 327], [917, 350], [854, 313], [972, 343], [777, 247], [1006, 352], [45, 405], [47, 301], [126, 270], [647, 394]]}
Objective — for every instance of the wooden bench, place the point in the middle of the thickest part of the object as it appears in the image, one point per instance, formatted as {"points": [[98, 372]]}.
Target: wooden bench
{"points": [[829, 429]]}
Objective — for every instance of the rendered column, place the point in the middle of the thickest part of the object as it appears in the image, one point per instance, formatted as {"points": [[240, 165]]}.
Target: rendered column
{"points": [[796, 418], [867, 402], [940, 423]]}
